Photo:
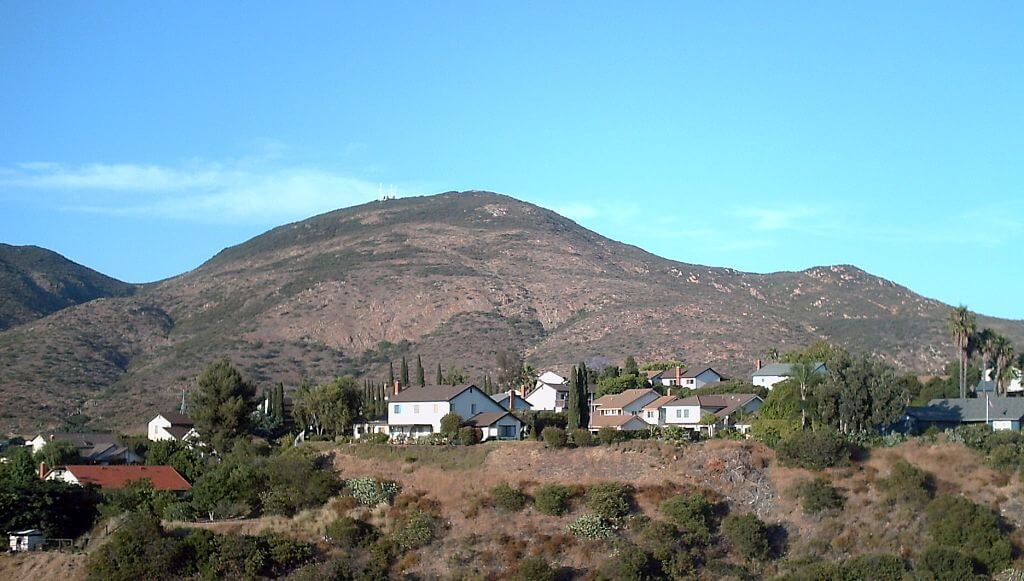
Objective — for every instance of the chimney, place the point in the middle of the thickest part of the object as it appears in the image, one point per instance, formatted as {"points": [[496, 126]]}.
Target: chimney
{"points": [[668, 392], [43, 469], [398, 387], [757, 365], [679, 375], [511, 399]]}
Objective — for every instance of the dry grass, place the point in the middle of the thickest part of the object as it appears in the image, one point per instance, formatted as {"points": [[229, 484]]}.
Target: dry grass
{"points": [[43, 565]]}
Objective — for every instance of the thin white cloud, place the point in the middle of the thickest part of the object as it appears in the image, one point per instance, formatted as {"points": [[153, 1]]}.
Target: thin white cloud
{"points": [[577, 211], [774, 219], [205, 192]]}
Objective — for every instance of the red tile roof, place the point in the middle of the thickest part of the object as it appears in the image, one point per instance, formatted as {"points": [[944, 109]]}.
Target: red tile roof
{"points": [[161, 477]]}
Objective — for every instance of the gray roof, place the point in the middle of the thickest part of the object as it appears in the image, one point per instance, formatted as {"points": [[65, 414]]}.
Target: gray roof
{"points": [[177, 419], [970, 409], [695, 371], [484, 419], [985, 386], [430, 393], [784, 369], [502, 398]]}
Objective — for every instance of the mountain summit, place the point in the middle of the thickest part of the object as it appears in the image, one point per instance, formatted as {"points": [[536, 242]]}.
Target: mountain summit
{"points": [[456, 278]]}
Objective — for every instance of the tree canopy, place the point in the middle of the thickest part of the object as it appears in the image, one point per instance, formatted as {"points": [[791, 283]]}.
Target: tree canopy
{"points": [[222, 407]]}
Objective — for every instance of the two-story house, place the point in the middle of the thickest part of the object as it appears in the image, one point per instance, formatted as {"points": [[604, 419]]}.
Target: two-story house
{"points": [[417, 411], [721, 411], [622, 411], [551, 393], [171, 426], [693, 378]]}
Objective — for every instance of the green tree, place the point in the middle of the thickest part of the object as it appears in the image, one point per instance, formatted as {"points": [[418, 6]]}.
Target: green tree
{"points": [[748, 535], [805, 376], [57, 453], [222, 407], [279, 404], [329, 409], [630, 367], [391, 375], [1003, 355], [420, 377], [405, 372], [962, 325], [440, 376], [450, 424]]}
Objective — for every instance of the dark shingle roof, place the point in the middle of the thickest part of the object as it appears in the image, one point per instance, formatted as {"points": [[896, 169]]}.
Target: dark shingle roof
{"points": [[430, 393], [695, 371], [621, 400], [177, 419], [971, 409]]}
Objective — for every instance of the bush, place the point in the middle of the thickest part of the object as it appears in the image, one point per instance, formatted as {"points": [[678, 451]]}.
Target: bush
{"points": [[874, 568], [350, 532], [507, 498], [907, 484], [417, 529], [748, 535], [375, 438], [610, 500], [581, 437], [954, 521], [534, 569], [630, 563], [370, 492], [609, 435], [813, 450], [137, 550], [552, 499], [469, 436], [554, 437], [691, 514], [450, 424], [942, 564], [592, 526], [818, 495]]}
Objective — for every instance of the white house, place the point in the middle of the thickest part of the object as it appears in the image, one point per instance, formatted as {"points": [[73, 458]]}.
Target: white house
{"points": [[768, 375], [551, 393], [171, 426], [628, 403], [693, 378], [417, 411], [26, 540], [654, 412], [92, 448], [727, 411]]}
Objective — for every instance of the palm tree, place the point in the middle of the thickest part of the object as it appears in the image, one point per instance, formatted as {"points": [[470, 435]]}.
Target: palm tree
{"points": [[804, 375], [1003, 354], [772, 354], [962, 325]]}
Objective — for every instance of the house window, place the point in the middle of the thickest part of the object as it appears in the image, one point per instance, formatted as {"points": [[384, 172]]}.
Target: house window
{"points": [[686, 413], [435, 408], [472, 408], [398, 409], [415, 409], [679, 413]]}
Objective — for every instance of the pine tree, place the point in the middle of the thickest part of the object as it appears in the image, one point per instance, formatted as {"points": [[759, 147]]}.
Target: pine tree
{"points": [[420, 378], [405, 373], [279, 403], [572, 407], [583, 381], [391, 374], [440, 377]]}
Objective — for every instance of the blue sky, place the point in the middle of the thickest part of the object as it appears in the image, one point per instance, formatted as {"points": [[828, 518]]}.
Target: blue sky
{"points": [[140, 139]]}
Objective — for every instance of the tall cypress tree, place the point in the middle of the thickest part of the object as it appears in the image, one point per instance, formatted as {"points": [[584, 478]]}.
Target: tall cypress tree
{"points": [[572, 407], [440, 377], [405, 373], [279, 403], [420, 378], [391, 374], [583, 381]]}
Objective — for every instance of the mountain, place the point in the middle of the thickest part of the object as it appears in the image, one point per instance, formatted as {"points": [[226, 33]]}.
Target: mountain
{"points": [[456, 278], [35, 282]]}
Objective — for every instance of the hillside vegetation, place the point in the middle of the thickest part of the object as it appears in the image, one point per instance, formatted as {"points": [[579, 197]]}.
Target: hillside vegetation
{"points": [[455, 278]]}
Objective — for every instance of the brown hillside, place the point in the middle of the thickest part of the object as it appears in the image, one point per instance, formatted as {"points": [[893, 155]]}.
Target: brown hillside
{"points": [[454, 277]]}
